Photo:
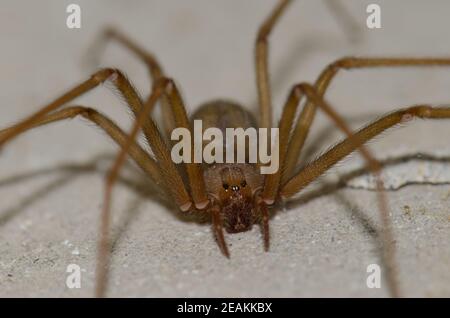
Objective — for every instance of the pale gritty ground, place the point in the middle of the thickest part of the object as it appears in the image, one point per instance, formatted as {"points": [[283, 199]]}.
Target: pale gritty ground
{"points": [[51, 179]]}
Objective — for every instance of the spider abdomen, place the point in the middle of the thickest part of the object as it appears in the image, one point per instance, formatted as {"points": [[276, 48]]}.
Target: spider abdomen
{"points": [[224, 114]]}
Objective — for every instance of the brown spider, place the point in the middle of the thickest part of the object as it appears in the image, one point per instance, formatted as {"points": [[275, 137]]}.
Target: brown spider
{"points": [[235, 196]]}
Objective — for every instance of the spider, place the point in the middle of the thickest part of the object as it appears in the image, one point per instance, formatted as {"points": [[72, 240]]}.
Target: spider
{"points": [[233, 196]]}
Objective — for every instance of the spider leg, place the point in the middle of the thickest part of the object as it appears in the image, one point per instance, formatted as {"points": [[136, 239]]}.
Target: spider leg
{"points": [[301, 129], [167, 169], [272, 182], [375, 167], [153, 66], [139, 155], [262, 51], [218, 230], [271, 185], [149, 59], [173, 109], [316, 168], [160, 153], [262, 64], [97, 78], [194, 170], [264, 211], [171, 177]]}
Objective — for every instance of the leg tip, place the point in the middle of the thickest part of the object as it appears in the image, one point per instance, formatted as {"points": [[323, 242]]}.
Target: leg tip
{"points": [[225, 252], [266, 246]]}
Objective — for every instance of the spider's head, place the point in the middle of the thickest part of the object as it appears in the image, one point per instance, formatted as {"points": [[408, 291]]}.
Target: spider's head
{"points": [[236, 200]]}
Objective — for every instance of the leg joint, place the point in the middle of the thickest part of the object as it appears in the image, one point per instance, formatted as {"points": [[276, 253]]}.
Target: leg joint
{"points": [[165, 84], [423, 111], [107, 74], [87, 112], [344, 62], [303, 87]]}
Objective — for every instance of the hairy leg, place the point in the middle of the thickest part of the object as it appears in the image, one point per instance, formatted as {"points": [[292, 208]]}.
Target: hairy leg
{"points": [[316, 168], [272, 182], [262, 64], [139, 155], [173, 109], [110, 33], [103, 256], [303, 125], [163, 86], [194, 170], [154, 67], [168, 170], [97, 78], [389, 252], [262, 51]]}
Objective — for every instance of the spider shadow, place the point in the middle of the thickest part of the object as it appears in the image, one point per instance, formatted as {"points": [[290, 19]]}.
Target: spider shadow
{"points": [[68, 172], [146, 190], [331, 188], [328, 188]]}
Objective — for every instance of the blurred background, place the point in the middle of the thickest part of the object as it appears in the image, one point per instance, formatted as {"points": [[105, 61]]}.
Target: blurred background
{"points": [[51, 178]]}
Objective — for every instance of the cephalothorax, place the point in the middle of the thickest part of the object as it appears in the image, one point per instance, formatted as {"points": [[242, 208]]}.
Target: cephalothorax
{"points": [[234, 196], [234, 186]]}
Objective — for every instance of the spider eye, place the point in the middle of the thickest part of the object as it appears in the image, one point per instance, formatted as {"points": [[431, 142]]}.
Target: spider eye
{"points": [[225, 186], [243, 184]]}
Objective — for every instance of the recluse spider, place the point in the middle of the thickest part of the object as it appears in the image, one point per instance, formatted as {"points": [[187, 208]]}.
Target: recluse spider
{"points": [[234, 196]]}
